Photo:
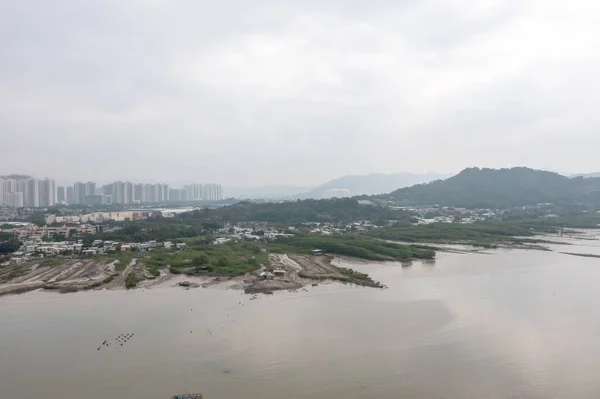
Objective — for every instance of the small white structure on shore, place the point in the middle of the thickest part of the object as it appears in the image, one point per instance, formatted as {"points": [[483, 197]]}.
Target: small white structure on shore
{"points": [[266, 276]]}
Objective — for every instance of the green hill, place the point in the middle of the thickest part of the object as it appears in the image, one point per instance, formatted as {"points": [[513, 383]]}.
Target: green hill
{"points": [[502, 188]]}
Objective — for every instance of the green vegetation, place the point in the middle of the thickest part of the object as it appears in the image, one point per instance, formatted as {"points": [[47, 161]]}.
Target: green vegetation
{"points": [[158, 228], [582, 255], [131, 280], [120, 266], [37, 218], [352, 245], [229, 259], [17, 272], [10, 245], [354, 274], [453, 232], [154, 271], [5, 236], [333, 211], [502, 189], [484, 233]]}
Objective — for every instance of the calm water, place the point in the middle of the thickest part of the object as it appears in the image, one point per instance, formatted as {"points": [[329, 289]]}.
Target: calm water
{"points": [[508, 324]]}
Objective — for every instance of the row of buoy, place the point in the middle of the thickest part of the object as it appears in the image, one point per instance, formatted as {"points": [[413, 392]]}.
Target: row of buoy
{"points": [[120, 339]]}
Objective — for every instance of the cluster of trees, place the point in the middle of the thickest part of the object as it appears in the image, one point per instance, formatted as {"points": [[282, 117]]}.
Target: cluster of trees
{"points": [[484, 232], [131, 280], [453, 232], [353, 245], [502, 189], [225, 259], [341, 210], [159, 228], [8, 243]]}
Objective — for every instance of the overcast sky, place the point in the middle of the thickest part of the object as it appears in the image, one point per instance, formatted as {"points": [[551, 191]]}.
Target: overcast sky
{"points": [[297, 92]]}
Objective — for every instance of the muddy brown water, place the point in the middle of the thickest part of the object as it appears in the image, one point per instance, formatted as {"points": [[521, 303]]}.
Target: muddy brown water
{"points": [[506, 324]]}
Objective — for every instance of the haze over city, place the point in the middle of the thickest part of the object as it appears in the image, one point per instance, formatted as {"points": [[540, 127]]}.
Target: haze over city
{"points": [[255, 93]]}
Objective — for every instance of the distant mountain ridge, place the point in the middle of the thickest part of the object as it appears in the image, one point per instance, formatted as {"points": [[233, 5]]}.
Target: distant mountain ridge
{"points": [[264, 192], [373, 184], [502, 188]]}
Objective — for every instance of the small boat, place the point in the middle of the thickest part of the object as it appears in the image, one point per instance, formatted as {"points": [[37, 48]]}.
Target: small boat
{"points": [[188, 396]]}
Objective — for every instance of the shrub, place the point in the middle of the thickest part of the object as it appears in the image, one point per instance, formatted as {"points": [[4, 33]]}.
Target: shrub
{"points": [[131, 280]]}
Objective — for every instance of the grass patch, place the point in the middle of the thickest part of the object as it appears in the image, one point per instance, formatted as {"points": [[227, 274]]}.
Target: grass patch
{"points": [[154, 271], [121, 256], [485, 234], [229, 259], [356, 246]]}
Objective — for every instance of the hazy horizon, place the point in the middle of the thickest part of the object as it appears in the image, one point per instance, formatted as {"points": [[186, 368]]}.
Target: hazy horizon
{"points": [[249, 94], [176, 182]]}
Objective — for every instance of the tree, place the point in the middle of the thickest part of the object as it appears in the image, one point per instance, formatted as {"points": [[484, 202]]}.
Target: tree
{"points": [[131, 280], [200, 260], [10, 246], [5, 236], [87, 240], [223, 261]]}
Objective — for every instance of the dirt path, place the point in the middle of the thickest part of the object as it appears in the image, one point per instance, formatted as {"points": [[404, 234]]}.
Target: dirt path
{"points": [[300, 270], [66, 274], [129, 267]]}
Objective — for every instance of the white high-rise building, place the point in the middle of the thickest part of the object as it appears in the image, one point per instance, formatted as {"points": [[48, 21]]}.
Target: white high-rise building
{"points": [[10, 185], [178, 194], [47, 189], [336, 193], [2, 192], [79, 193], [149, 193], [13, 199], [161, 192], [212, 192], [22, 187], [60, 194], [32, 196], [90, 188], [194, 191], [118, 194], [70, 195], [128, 192], [139, 195]]}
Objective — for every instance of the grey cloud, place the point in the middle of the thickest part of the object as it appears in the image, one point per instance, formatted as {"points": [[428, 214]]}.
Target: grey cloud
{"points": [[301, 90]]}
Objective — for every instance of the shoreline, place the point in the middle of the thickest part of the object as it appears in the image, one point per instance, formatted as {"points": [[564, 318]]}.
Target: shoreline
{"points": [[285, 272]]}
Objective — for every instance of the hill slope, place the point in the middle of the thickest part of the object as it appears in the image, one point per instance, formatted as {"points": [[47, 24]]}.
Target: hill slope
{"points": [[373, 184], [502, 188]]}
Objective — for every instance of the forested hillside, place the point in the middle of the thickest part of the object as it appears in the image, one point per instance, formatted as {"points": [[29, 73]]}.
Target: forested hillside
{"points": [[502, 188]]}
